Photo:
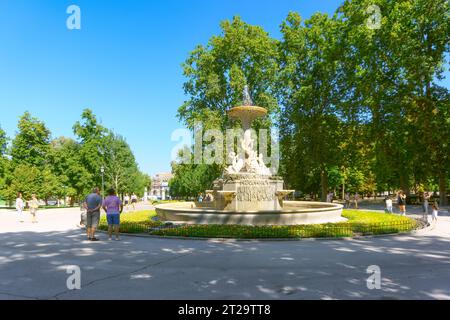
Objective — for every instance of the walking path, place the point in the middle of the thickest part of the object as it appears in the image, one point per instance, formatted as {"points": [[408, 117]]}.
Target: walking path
{"points": [[34, 261]]}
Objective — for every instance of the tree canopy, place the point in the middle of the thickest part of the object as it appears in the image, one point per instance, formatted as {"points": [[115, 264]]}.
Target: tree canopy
{"points": [[357, 106], [63, 167]]}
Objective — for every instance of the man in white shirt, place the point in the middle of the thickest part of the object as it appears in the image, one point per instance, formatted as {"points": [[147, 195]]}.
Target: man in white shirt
{"points": [[20, 205]]}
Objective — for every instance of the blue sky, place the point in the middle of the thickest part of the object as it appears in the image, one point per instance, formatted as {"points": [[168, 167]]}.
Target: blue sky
{"points": [[124, 64]]}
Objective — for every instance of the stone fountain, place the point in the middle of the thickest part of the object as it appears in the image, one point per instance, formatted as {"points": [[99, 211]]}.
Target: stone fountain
{"points": [[249, 193]]}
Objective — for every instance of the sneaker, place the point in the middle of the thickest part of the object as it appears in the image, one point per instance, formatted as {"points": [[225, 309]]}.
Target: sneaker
{"points": [[94, 239]]}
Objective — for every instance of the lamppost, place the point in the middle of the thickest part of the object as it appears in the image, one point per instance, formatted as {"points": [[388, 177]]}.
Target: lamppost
{"points": [[102, 170]]}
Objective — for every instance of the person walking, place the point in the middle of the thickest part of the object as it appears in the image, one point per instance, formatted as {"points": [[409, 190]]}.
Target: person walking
{"points": [[20, 206], [113, 207], [357, 197], [347, 200], [401, 200], [435, 213], [33, 204], [93, 204], [134, 201], [426, 205], [126, 201]]}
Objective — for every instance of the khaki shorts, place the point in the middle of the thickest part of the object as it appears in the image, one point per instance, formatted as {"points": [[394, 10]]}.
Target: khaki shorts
{"points": [[92, 219]]}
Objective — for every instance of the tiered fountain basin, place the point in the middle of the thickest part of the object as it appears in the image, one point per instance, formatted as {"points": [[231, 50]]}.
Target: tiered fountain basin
{"points": [[293, 213]]}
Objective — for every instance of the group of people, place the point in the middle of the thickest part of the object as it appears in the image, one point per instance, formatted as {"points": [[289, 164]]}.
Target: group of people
{"points": [[113, 207], [33, 205], [352, 198], [208, 198], [401, 202], [130, 200]]}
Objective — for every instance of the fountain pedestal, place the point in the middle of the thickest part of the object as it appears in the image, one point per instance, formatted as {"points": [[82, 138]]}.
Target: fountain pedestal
{"points": [[246, 192]]}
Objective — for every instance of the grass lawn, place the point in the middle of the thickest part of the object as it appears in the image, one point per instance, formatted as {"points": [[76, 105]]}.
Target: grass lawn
{"points": [[359, 223]]}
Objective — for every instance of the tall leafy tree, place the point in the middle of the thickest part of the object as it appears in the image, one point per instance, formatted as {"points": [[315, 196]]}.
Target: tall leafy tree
{"points": [[120, 165], [3, 159], [91, 136], [310, 121], [3, 142], [391, 72], [31, 143], [66, 163], [217, 74], [242, 55]]}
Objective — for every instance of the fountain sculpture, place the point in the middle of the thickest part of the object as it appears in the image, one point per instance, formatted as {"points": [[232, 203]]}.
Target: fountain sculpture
{"points": [[249, 193]]}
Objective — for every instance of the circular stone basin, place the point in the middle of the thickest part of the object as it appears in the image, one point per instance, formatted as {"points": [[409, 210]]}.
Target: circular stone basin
{"points": [[294, 213], [251, 112]]}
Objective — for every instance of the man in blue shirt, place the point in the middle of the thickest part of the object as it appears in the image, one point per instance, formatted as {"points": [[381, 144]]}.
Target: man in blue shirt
{"points": [[92, 204]]}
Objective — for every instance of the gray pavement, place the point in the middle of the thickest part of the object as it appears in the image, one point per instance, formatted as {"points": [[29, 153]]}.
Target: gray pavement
{"points": [[34, 261]]}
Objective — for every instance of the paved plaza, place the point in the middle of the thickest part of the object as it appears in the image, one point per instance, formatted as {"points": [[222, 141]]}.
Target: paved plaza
{"points": [[34, 261]]}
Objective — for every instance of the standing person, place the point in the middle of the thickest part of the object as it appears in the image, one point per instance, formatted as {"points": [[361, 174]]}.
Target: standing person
{"points": [[402, 202], [134, 201], [113, 207], [200, 198], [20, 205], [347, 200], [435, 213], [426, 205], [329, 197], [357, 197], [82, 215], [389, 205], [92, 204], [34, 206], [126, 201]]}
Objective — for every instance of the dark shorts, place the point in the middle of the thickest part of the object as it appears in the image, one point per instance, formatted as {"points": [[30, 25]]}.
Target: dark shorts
{"points": [[92, 219], [113, 219], [134, 201]]}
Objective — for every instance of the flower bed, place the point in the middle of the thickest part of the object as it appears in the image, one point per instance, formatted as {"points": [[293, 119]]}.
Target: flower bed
{"points": [[359, 223]]}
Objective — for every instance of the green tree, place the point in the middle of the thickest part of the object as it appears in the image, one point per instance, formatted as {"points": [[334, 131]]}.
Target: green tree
{"points": [[389, 75], [192, 179], [24, 178], [217, 74], [3, 142], [91, 135], [31, 143], [310, 122], [3, 160], [66, 163], [120, 165]]}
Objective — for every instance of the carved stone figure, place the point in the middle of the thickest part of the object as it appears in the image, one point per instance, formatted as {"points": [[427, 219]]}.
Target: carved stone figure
{"points": [[237, 164]]}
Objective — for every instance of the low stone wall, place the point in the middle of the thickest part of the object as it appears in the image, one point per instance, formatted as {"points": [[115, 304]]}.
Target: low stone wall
{"points": [[295, 213]]}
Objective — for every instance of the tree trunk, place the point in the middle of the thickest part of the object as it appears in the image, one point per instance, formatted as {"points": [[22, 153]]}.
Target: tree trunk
{"points": [[324, 185], [404, 184], [443, 189]]}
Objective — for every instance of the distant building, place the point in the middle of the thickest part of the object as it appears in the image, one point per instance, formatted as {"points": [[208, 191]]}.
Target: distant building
{"points": [[160, 186]]}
